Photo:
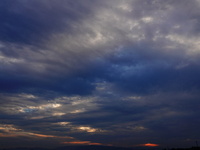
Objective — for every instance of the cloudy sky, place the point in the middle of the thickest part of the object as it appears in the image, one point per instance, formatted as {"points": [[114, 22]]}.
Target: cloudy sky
{"points": [[99, 72]]}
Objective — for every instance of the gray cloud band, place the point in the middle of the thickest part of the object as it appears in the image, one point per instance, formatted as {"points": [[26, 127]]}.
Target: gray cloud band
{"points": [[110, 67]]}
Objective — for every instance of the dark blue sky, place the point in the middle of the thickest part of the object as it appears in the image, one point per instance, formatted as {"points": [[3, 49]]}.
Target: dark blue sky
{"points": [[107, 72]]}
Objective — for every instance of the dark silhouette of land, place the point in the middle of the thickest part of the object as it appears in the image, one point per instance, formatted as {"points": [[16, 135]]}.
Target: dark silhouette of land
{"points": [[94, 147], [192, 148], [91, 147]]}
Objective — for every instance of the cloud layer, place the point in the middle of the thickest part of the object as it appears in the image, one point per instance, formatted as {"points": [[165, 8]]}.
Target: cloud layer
{"points": [[108, 72]]}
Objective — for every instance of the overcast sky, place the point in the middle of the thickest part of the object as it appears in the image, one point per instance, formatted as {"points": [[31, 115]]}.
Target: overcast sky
{"points": [[99, 72]]}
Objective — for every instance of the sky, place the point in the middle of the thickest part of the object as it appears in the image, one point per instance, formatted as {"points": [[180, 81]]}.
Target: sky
{"points": [[99, 72]]}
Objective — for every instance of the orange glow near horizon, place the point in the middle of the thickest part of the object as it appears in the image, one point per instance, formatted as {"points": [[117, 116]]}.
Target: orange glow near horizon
{"points": [[7, 135], [149, 145], [41, 135], [82, 143], [10, 130]]}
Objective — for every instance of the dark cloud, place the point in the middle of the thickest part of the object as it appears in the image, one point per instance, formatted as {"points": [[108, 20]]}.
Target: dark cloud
{"points": [[32, 22], [110, 72]]}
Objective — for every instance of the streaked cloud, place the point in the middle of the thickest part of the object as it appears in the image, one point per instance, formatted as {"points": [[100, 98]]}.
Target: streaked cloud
{"points": [[78, 128], [82, 143], [41, 107], [11, 131], [103, 72]]}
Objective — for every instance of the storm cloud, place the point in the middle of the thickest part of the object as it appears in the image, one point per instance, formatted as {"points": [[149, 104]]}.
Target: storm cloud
{"points": [[109, 72]]}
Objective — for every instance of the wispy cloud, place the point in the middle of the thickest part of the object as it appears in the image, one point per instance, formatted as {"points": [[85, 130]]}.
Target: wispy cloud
{"points": [[105, 71], [11, 131], [82, 143]]}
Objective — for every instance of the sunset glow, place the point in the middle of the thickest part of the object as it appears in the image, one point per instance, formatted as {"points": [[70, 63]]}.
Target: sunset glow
{"points": [[82, 143], [75, 73], [148, 145]]}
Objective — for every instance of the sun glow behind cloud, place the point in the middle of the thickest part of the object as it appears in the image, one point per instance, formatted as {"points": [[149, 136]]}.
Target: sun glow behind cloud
{"points": [[82, 143], [149, 145], [76, 128], [87, 129]]}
